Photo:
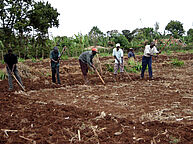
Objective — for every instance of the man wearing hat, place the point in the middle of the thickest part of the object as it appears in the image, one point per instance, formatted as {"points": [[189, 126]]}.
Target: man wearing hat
{"points": [[118, 55], [11, 60], [54, 57], [85, 60], [147, 59]]}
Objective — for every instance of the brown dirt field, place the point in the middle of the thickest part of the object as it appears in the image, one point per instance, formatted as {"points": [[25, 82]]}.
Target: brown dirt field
{"points": [[129, 111]]}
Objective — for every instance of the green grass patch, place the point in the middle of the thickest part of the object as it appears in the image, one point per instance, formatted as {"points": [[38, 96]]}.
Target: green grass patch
{"points": [[64, 57], [174, 140], [177, 63], [109, 67], [2, 62], [21, 60], [2, 75], [133, 67], [105, 54], [33, 60]]}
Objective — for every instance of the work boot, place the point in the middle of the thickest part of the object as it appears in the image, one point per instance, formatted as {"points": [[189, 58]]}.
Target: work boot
{"points": [[141, 78], [151, 78]]}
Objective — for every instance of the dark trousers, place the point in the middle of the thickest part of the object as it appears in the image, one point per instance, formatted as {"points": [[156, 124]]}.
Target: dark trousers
{"points": [[84, 68], [55, 71], [16, 73], [146, 61]]}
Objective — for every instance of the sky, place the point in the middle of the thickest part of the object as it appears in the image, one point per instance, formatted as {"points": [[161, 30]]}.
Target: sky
{"points": [[79, 16]]}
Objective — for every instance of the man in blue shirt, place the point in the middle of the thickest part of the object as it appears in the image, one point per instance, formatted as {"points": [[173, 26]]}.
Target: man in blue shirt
{"points": [[54, 57], [131, 55]]}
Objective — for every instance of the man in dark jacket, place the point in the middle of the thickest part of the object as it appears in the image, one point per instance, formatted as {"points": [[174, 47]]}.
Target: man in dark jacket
{"points": [[85, 59], [54, 57], [11, 61]]}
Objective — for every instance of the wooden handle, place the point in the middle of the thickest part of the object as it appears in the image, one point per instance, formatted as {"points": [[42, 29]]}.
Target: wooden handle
{"points": [[166, 44], [18, 82], [100, 76]]}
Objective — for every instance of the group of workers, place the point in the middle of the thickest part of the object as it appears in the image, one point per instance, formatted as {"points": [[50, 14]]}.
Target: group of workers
{"points": [[85, 61]]}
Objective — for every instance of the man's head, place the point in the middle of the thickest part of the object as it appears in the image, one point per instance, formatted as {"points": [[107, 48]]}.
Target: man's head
{"points": [[131, 49], [55, 49], [94, 51], [118, 46], [152, 44], [10, 51]]}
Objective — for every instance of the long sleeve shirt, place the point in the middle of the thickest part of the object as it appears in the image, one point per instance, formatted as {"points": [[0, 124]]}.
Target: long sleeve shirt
{"points": [[86, 57], [54, 55], [10, 60], [118, 54], [150, 51]]}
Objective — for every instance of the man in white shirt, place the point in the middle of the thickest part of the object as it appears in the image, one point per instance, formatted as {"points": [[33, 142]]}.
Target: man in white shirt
{"points": [[147, 59], [118, 55]]}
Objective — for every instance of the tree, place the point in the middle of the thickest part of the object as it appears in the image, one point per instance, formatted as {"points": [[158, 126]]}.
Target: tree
{"points": [[43, 16], [127, 34], [95, 34], [14, 18], [175, 28], [190, 35], [122, 40]]}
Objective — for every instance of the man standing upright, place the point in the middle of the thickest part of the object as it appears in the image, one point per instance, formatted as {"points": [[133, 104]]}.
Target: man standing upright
{"points": [[11, 61], [147, 59], [54, 57], [118, 55], [85, 59]]}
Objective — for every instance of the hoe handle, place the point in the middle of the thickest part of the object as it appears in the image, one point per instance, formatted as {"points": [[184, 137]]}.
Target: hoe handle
{"points": [[166, 43], [18, 82], [100, 76]]}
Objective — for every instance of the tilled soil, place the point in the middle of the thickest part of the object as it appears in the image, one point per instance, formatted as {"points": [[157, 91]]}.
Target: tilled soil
{"points": [[126, 111]]}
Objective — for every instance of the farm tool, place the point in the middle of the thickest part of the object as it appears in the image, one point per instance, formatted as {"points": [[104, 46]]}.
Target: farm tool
{"points": [[99, 64], [16, 79], [100, 76], [166, 43], [18, 82], [64, 48]]}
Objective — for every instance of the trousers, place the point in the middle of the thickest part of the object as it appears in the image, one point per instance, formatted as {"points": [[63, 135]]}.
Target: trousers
{"points": [[146, 61]]}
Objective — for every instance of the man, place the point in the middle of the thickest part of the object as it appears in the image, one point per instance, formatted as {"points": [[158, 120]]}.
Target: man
{"points": [[11, 61], [131, 55], [54, 57], [147, 59], [118, 55], [85, 60]]}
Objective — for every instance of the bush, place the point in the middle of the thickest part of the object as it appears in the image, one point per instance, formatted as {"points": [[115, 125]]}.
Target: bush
{"points": [[2, 75], [109, 67], [21, 60], [133, 67], [176, 62]]}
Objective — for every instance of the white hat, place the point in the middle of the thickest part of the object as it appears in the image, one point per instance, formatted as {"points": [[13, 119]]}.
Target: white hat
{"points": [[118, 45]]}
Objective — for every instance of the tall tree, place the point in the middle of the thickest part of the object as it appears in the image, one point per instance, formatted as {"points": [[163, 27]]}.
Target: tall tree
{"points": [[175, 28], [14, 18], [43, 16], [95, 34], [127, 34], [190, 35]]}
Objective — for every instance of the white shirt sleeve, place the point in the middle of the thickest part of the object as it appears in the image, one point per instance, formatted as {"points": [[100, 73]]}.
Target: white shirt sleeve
{"points": [[155, 50], [113, 52], [121, 53]]}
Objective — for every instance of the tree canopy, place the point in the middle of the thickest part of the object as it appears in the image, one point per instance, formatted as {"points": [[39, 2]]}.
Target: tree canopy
{"points": [[175, 28]]}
